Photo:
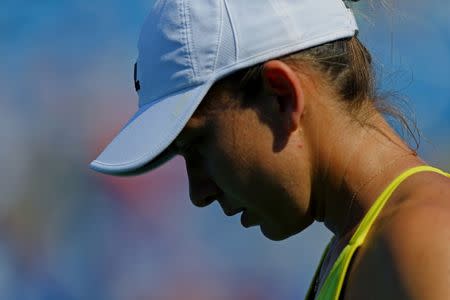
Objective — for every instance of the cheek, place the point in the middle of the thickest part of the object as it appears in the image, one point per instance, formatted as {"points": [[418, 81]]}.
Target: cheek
{"points": [[250, 179], [229, 169], [229, 162], [242, 162], [241, 173]]}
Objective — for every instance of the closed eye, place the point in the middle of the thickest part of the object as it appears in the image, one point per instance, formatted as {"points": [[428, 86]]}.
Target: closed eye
{"points": [[190, 144], [187, 149]]}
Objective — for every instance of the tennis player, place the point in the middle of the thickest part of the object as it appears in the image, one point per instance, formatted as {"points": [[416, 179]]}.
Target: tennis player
{"points": [[272, 104]]}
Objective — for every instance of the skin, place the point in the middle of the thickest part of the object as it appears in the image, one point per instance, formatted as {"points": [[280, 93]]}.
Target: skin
{"points": [[311, 161]]}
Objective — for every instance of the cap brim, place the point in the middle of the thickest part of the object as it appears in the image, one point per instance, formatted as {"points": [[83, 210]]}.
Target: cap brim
{"points": [[142, 141]]}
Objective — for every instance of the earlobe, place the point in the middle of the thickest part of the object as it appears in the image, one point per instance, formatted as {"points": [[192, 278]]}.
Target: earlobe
{"points": [[283, 82]]}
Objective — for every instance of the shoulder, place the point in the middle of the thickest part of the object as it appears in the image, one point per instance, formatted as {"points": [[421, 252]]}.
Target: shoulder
{"points": [[408, 254]]}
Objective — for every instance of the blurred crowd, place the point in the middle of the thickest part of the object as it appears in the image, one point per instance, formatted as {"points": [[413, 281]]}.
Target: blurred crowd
{"points": [[66, 87]]}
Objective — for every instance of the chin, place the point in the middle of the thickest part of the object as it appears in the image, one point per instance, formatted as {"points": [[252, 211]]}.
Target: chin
{"points": [[275, 234], [279, 233]]}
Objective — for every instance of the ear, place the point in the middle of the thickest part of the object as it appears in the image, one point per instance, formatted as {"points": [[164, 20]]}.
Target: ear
{"points": [[284, 84]]}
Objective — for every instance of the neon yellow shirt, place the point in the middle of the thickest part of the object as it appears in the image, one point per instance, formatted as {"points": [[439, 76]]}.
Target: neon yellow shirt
{"points": [[332, 287]]}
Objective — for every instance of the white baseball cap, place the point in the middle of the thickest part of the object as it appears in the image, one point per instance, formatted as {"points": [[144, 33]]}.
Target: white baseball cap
{"points": [[186, 46]]}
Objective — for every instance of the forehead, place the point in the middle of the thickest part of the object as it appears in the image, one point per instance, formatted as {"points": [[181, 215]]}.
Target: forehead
{"points": [[217, 101], [194, 126]]}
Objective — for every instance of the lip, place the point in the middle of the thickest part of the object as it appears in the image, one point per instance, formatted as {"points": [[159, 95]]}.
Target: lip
{"points": [[231, 213], [245, 220]]}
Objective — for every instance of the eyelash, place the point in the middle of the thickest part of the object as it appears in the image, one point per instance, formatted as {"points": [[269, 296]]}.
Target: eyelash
{"points": [[192, 147], [187, 148]]}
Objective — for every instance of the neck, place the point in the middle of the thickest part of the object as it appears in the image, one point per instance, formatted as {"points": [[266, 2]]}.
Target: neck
{"points": [[354, 170]]}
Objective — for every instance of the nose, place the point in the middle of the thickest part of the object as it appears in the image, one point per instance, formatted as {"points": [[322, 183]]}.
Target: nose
{"points": [[202, 189]]}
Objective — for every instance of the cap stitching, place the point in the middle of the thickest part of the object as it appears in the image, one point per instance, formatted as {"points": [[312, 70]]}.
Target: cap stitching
{"points": [[182, 17], [223, 71], [337, 33], [233, 29], [189, 40], [219, 35], [351, 17]]}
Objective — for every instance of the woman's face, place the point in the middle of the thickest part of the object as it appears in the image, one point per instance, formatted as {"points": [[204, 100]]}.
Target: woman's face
{"points": [[244, 161]]}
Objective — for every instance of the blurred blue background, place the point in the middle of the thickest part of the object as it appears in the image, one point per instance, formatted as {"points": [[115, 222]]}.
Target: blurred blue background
{"points": [[66, 88]]}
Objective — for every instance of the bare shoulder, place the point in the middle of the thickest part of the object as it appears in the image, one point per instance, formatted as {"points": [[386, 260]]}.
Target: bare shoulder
{"points": [[407, 256]]}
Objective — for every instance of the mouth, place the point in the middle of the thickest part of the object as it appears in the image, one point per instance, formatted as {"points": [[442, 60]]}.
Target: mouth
{"points": [[231, 213], [246, 221]]}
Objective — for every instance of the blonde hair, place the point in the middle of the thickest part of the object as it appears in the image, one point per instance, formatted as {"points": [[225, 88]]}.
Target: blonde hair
{"points": [[346, 67]]}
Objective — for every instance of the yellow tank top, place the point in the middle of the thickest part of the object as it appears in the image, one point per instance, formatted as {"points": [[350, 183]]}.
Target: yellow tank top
{"points": [[332, 287]]}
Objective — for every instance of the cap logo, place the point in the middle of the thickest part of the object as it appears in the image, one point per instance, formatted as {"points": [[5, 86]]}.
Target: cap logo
{"points": [[137, 84]]}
